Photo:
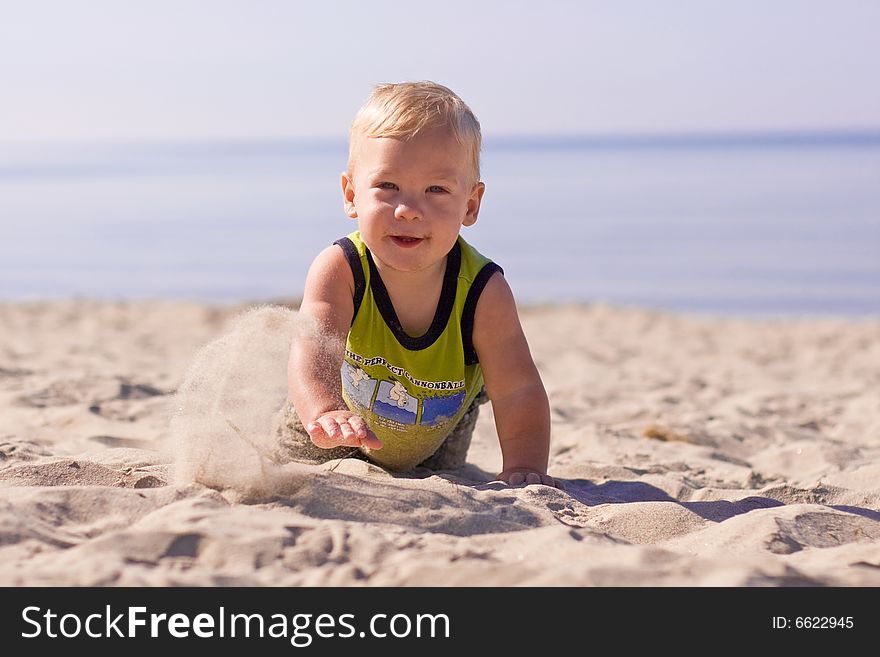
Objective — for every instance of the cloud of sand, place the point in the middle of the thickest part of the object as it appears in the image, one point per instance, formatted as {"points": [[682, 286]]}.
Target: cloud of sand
{"points": [[223, 426]]}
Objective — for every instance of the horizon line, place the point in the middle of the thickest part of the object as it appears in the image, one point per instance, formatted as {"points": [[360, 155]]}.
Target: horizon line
{"points": [[765, 137], [696, 139]]}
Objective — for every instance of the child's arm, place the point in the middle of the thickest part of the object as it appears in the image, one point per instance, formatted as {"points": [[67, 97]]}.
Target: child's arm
{"points": [[313, 373], [519, 401]]}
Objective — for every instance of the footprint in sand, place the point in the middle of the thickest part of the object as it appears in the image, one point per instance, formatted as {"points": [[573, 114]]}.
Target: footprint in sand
{"points": [[821, 530], [113, 441], [96, 390]]}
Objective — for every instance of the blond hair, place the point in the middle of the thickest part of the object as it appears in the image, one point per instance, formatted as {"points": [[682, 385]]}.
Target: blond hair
{"points": [[402, 110]]}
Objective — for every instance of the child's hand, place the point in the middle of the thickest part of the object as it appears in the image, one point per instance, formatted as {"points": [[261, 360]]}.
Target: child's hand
{"points": [[519, 476], [341, 428]]}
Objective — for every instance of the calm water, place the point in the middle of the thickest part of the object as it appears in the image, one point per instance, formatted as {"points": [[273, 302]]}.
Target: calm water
{"points": [[724, 226]]}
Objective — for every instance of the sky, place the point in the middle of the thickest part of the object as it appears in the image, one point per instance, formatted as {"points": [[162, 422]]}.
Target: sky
{"points": [[104, 70]]}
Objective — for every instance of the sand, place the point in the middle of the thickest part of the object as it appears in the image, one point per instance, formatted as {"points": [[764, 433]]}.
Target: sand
{"points": [[696, 451]]}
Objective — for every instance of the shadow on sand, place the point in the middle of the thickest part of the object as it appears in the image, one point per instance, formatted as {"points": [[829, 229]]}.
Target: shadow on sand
{"points": [[624, 492]]}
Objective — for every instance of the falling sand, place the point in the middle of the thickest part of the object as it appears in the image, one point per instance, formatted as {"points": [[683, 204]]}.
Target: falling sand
{"points": [[695, 451], [223, 429]]}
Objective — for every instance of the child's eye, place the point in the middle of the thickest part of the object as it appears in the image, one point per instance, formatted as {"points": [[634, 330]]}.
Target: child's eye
{"points": [[386, 185], [436, 189]]}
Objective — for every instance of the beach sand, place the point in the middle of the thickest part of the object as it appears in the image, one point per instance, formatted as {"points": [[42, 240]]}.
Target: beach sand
{"points": [[695, 451]]}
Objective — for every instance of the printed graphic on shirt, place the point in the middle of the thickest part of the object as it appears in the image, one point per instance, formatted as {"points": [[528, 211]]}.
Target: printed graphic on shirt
{"points": [[393, 402], [359, 387], [398, 371], [440, 410], [389, 401]]}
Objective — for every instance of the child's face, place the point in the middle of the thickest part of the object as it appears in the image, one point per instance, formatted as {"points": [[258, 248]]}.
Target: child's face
{"points": [[412, 197]]}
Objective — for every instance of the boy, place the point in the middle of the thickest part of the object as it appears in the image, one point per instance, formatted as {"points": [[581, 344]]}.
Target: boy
{"points": [[417, 319]]}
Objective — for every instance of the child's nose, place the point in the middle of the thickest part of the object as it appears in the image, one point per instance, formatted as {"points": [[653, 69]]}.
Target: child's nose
{"points": [[407, 209]]}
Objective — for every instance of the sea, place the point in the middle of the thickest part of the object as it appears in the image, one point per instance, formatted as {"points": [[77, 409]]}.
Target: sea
{"points": [[772, 224]]}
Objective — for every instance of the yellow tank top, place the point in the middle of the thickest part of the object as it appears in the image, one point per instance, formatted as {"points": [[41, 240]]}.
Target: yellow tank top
{"points": [[412, 391]]}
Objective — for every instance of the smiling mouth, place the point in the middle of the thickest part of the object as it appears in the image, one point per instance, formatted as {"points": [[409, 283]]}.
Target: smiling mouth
{"points": [[404, 241]]}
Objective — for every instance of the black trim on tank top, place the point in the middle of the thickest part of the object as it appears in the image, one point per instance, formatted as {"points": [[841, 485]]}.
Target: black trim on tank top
{"points": [[354, 261], [444, 305], [470, 308]]}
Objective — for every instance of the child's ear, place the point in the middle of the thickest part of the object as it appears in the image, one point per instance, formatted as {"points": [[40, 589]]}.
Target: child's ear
{"points": [[348, 195], [473, 204]]}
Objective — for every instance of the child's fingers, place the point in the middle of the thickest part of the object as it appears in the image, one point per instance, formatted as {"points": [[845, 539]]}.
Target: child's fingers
{"points": [[319, 433], [362, 434], [316, 433], [359, 426], [370, 440], [533, 478], [348, 433], [331, 427], [528, 478], [547, 480], [329, 432]]}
